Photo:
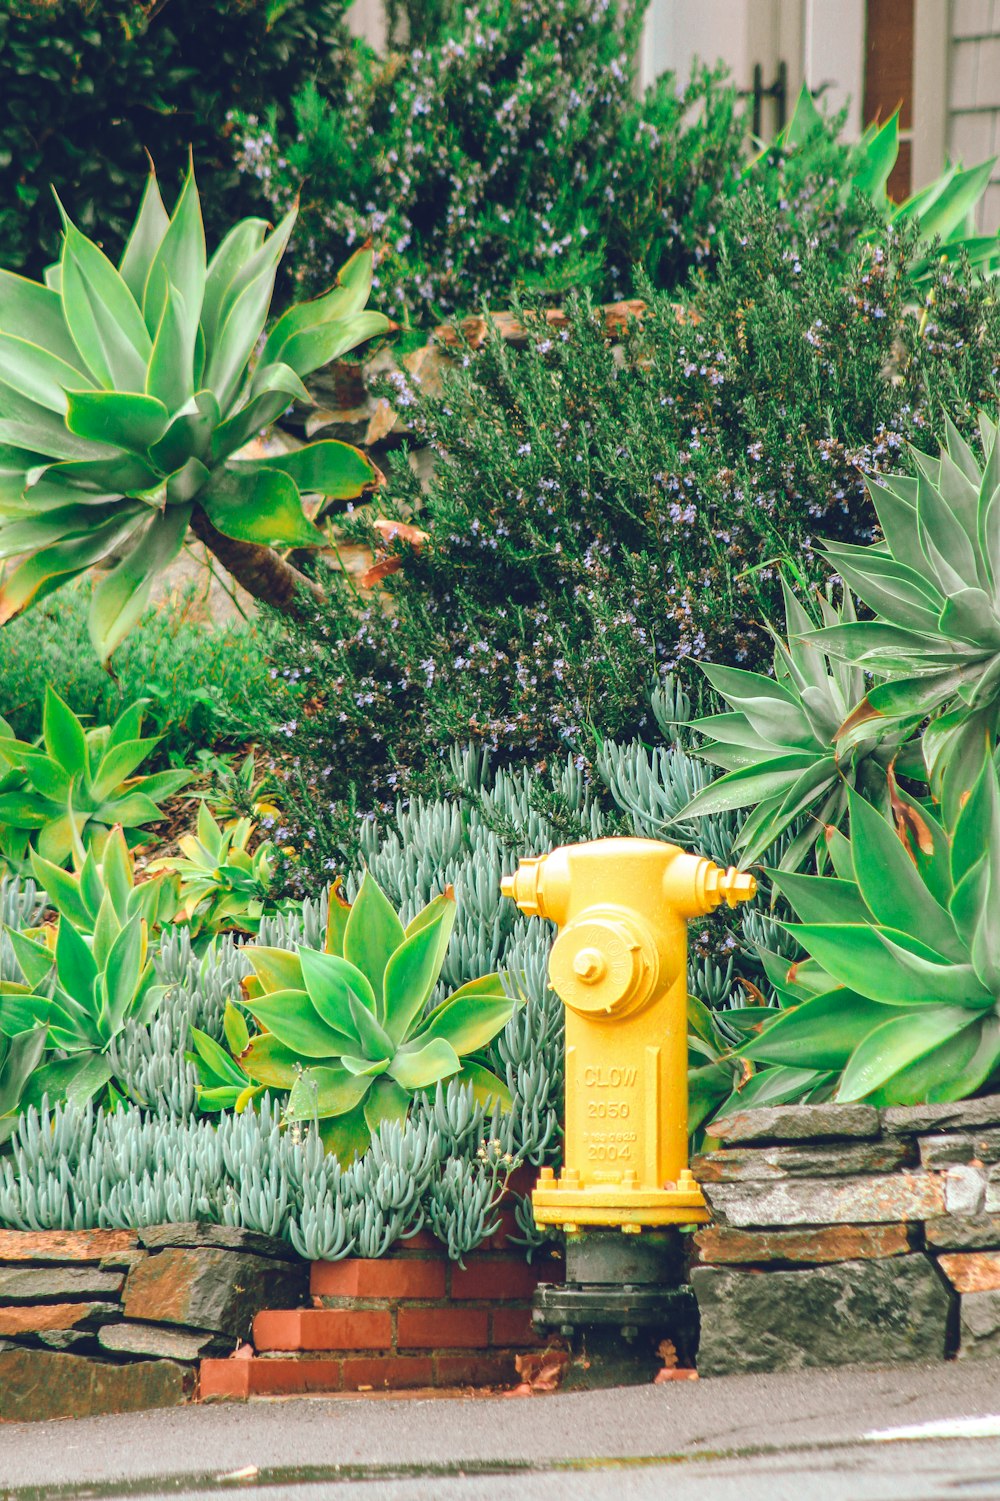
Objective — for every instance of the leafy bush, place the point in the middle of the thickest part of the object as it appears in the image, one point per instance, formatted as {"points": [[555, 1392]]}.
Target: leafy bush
{"points": [[506, 150], [605, 514], [196, 679], [89, 83]]}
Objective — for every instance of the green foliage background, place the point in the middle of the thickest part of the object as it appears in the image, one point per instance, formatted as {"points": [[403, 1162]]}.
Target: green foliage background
{"points": [[89, 84], [509, 149]]}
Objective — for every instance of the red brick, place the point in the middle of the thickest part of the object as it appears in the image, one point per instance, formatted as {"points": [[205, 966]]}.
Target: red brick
{"points": [[389, 1372], [509, 1279], [224, 1378], [323, 1329], [64, 1245], [512, 1328], [474, 1370], [424, 1240], [442, 1328], [277, 1378], [386, 1277]]}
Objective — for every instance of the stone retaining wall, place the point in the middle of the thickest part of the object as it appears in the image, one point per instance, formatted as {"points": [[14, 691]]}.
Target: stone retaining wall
{"points": [[98, 1321], [844, 1234]]}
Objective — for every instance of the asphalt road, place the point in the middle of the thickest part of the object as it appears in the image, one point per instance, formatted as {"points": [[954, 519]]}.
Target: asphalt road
{"points": [[915, 1433]]}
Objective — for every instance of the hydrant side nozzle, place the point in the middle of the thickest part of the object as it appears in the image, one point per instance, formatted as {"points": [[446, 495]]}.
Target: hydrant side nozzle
{"points": [[732, 885], [524, 886]]}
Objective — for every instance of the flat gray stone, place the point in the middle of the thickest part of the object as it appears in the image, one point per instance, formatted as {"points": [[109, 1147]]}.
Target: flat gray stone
{"points": [[965, 1190], [959, 1147], [37, 1384], [67, 1339], [811, 1160], [956, 1232], [226, 1237], [979, 1325], [850, 1313], [135, 1338], [883, 1199], [991, 1200], [778, 1123], [914, 1120], [56, 1284]]}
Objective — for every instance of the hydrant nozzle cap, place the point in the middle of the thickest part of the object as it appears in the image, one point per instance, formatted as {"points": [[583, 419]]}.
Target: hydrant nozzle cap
{"points": [[732, 885], [507, 886]]}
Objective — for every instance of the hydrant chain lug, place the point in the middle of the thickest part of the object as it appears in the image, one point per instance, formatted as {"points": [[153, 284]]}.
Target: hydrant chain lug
{"points": [[619, 963]]}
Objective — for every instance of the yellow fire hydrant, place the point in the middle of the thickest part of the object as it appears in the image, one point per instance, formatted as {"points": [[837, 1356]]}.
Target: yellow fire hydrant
{"points": [[619, 963]]}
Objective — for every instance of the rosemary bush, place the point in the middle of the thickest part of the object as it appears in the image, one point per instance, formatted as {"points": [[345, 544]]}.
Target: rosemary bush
{"points": [[505, 148], [606, 514]]}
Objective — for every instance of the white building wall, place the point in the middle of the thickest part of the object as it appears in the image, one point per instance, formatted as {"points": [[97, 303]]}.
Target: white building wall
{"points": [[973, 107]]}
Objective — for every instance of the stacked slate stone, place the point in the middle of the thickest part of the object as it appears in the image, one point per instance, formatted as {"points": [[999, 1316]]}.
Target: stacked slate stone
{"points": [[96, 1321], [843, 1234]]}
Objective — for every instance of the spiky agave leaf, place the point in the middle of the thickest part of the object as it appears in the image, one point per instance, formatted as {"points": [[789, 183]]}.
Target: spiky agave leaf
{"points": [[126, 392], [80, 990], [899, 999], [778, 745], [943, 211], [933, 583]]}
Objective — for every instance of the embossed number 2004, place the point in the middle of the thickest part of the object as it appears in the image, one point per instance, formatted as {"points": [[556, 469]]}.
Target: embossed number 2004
{"points": [[612, 1109]]}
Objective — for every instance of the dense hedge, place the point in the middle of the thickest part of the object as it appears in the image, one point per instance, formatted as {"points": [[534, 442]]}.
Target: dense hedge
{"points": [[88, 84]]}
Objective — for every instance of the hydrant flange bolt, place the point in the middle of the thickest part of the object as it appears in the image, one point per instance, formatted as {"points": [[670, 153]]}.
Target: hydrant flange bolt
{"points": [[590, 966]]}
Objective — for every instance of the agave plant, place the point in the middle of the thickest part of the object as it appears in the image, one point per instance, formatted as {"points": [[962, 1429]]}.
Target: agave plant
{"points": [[126, 394], [80, 992], [347, 1030], [899, 999], [21, 1052], [943, 211], [934, 586], [79, 895], [223, 885], [66, 795], [778, 747]]}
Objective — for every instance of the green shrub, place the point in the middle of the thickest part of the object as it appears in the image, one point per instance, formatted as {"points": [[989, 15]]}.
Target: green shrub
{"points": [[87, 84], [198, 680], [604, 515], [506, 150]]}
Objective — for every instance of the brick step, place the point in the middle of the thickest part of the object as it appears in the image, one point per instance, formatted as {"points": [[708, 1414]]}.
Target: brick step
{"points": [[494, 1279], [282, 1375], [364, 1330]]}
